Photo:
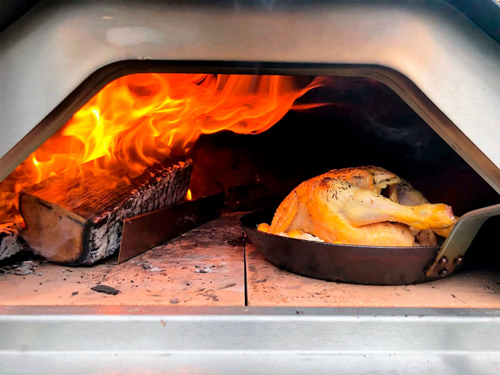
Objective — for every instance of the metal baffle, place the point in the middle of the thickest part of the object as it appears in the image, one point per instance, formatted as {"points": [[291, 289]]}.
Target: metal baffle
{"points": [[143, 232]]}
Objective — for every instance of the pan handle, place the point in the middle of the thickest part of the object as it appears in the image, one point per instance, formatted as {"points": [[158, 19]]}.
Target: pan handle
{"points": [[451, 253]]}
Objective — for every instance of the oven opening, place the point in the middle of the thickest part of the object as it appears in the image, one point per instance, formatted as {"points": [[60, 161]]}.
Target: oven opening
{"points": [[208, 149]]}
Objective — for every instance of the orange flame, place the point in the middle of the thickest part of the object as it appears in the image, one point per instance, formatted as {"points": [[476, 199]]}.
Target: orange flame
{"points": [[189, 196], [142, 119]]}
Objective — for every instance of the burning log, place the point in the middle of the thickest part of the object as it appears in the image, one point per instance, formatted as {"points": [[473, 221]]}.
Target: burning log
{"points": [[10, 242], [78, 221]]}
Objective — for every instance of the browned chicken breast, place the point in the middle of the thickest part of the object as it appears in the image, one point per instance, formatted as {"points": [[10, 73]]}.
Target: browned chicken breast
{"points": [[370, 177]]}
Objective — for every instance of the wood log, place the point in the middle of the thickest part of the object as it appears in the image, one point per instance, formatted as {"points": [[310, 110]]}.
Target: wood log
{"points": [[10, 241], [79, 221]]}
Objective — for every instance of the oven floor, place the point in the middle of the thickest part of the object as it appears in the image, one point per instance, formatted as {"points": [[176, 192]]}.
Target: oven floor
{"points": [[206, 267]]}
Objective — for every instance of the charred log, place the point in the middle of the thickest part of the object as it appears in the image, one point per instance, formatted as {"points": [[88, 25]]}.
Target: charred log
{"points": [[78, 221], [10, 241]]}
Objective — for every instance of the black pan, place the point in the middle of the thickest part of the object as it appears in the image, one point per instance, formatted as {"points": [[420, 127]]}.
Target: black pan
{"points": [[345, 263]]}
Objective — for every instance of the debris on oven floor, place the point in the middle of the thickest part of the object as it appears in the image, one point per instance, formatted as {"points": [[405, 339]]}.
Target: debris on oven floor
{"points": [[202, 267], [206, 267]]}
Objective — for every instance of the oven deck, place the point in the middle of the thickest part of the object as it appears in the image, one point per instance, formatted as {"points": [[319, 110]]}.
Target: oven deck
{"points": [[213, 266]]}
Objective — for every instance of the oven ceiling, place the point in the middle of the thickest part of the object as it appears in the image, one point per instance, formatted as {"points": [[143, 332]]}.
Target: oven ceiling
{"points": [[52, 49]]}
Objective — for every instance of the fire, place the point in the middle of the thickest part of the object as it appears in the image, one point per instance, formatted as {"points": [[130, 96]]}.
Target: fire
{"points": [[142, 119], [189, 196]]}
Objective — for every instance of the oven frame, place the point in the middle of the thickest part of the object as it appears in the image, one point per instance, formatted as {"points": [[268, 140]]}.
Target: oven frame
{"points": [[138, 339]]}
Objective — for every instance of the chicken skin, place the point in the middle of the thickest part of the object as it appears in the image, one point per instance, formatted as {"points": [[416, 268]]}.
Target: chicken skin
{"points": [[370, 177], [346, 206]]}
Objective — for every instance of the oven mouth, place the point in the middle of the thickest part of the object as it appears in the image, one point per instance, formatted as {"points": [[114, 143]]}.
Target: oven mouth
{"points": [[387, 78]]}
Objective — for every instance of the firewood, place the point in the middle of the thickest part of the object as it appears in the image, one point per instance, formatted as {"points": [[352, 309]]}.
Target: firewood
{"points": [[10, 241], [79, 221]]}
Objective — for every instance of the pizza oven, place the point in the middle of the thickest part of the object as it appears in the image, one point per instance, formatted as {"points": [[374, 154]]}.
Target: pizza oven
{"points": [[142, 143]]}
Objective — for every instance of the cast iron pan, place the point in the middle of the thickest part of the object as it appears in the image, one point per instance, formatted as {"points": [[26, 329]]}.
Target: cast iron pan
{"points": [[345, 263]]}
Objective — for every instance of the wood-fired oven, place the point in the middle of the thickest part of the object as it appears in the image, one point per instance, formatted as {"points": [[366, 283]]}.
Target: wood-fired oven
{"points": [[135, 135]]}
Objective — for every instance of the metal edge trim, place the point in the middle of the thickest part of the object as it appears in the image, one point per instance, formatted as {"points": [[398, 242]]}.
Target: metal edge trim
{"points": [[121, 310]]}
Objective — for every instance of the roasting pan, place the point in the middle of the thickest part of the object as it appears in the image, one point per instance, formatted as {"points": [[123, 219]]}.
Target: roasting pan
{"points": [[371, 265]]}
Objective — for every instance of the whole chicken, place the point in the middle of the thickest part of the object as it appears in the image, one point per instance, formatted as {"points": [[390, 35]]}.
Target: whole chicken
{"points": [[346, 206]]}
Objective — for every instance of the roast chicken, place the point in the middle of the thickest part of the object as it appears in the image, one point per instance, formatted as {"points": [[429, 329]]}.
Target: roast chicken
{"points": [[347, 206]]}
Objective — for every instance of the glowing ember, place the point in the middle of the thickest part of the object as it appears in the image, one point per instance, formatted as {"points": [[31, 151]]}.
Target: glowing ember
{"points": [[189, 196], [142, 119]]}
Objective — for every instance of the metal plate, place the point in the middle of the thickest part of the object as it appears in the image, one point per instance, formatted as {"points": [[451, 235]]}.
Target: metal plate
{"points": [[148, 340], [346, 263], [144, 232]]}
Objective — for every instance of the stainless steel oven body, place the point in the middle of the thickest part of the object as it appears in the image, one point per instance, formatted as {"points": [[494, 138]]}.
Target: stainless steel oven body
{"points": [[439, 61]]}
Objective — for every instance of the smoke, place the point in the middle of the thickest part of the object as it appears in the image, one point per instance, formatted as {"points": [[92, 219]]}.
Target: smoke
{"points": [[418, 140]]}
